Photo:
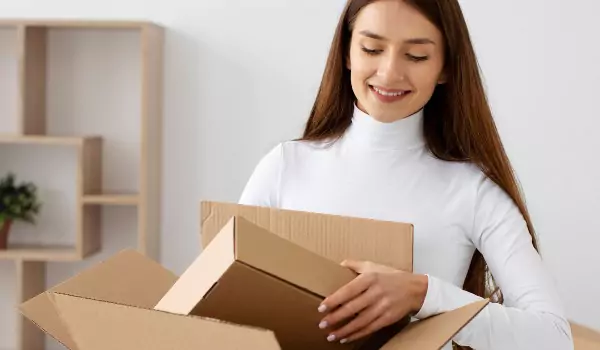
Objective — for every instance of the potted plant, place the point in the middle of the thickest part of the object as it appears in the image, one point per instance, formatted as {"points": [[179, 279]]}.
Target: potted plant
{"points": [[17, 203]]}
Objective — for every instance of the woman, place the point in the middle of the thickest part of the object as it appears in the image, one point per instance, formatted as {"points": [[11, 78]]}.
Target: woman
{"points": [[401, 130]]}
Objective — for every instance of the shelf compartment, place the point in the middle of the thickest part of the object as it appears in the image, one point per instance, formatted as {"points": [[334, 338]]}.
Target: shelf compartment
{"points": [[88, 151]]}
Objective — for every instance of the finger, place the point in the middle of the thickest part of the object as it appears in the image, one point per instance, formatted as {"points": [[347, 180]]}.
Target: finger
{"points": [[356, 265], [351, 308], [379, 323], [346, 293], [365, 317]]}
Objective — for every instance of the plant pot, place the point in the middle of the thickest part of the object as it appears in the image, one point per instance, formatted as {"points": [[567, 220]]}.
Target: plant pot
{"points": [[4, 231]]}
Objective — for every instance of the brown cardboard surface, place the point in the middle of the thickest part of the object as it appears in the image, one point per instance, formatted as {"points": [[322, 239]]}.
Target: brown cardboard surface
{"points": [[40, 310], [434, 332], [255, 298], [126, 278], [584, 337], [99, 325], [110, 306], [274, 255], [331, 236]]}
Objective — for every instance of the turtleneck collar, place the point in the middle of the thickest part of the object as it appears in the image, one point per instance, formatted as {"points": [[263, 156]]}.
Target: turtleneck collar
{"points": [[366, 131]]}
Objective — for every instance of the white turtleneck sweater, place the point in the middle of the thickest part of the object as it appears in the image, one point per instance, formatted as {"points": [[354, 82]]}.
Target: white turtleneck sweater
{"points": [[384, 171]]}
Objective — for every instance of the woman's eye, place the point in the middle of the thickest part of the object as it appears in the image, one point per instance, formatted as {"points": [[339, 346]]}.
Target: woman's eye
{"points": [[370, 51], [417, 58]]}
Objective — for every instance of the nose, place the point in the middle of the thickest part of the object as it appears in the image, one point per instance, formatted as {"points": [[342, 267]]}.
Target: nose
{"points": [[391, 68]]}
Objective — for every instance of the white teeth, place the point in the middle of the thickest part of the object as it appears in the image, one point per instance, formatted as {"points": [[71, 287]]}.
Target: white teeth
{"points": [[384, 93]]}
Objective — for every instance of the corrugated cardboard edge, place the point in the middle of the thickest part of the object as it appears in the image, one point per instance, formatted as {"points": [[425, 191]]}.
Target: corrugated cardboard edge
{"points": [[585, 338], [214, 214], [436, 331], [96, 325]]}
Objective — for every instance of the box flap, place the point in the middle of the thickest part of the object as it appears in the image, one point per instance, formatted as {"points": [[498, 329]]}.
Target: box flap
{"points": [[279, 257], [128, 278], [584, 337], [436, 331], [98, 325], [41, 312], [334, 237], [201, 275]]}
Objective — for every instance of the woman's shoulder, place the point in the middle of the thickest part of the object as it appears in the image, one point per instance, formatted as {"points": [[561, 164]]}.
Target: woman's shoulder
{"points": [[262, 188], [297, 149], [465, 173], [288, 152]]}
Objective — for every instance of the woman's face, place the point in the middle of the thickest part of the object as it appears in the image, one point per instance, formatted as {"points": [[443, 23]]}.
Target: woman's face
{"points": [[396, 59]]}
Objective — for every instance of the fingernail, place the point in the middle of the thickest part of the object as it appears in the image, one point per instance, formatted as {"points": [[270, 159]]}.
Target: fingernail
{"points": [[322, 308], [343, 341], [331, 337], [323, 324]]}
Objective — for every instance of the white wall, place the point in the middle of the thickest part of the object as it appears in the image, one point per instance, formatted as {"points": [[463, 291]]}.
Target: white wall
{"points": [[255, 65]]}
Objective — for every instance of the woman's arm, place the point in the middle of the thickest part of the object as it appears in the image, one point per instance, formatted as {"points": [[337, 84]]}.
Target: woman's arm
{"points": [[531, 316]]}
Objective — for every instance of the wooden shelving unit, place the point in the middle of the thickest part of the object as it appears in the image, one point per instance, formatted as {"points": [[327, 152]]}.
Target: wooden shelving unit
{"points": [[31, 128]]}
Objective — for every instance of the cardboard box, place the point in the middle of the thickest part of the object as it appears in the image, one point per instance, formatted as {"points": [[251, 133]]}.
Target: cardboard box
{"points": [[585, 338], [121, 302], [250, 276]]}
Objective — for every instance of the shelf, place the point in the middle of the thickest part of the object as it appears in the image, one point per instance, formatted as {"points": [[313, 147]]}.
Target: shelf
{"points": [[111, 199], [46, 140], [39, 253], [84, 24]]}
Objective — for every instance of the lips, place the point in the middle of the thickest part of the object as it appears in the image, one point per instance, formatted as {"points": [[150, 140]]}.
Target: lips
{"points": [[388, 92], [388, 95]]}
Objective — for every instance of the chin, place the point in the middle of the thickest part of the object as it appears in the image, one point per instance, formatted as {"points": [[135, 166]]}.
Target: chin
{"points": [[385, 112]]}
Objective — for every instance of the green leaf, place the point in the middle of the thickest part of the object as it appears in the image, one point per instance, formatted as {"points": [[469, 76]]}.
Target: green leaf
{"points": [[18, 201]]}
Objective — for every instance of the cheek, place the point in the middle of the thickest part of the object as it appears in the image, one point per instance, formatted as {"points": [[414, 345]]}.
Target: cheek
{"points": [[425, 78], [359, 74], [362, 67]]}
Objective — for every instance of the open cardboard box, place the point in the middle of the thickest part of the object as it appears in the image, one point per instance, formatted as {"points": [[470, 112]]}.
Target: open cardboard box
{"points": [[131, 302], [250, 276]]}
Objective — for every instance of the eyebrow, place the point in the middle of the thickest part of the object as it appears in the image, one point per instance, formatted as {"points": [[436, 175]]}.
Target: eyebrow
{"points": [[375, 36]]}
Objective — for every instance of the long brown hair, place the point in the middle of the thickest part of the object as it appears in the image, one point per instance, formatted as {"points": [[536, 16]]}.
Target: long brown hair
{"points": [[458, 122]]}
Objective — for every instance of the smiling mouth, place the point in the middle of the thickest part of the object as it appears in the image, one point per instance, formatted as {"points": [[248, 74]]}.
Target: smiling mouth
{"points": [[387, 92], [389, 95]]}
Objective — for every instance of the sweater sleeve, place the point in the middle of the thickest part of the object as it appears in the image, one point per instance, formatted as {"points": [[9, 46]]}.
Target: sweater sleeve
{"points": [[262, 188], [531, 316]]}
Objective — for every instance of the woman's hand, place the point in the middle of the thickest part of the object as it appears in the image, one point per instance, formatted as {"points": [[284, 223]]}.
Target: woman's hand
{"points": [[379, 296]]}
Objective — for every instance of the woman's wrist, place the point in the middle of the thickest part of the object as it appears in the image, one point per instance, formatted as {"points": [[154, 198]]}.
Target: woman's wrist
{"points": [[420, 284]]}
